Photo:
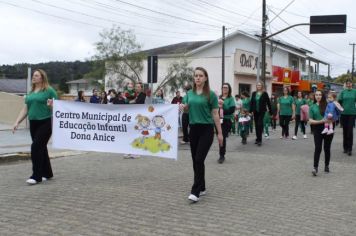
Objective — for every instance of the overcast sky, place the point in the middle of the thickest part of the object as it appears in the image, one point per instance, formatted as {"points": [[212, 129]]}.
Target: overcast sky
{"points": [[34, 31]]}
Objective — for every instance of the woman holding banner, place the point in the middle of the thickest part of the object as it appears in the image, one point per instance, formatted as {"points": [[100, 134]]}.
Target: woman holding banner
{"points": [[38, 109], [202, 105]]}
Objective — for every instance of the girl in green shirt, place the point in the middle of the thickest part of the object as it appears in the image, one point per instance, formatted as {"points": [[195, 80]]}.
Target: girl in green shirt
{"points": [[299, 101], [286, 111], [228, 107], [38, 109], [202, 104], [316, 120]]}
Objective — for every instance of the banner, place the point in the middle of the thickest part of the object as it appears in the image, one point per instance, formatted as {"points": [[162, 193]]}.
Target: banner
{"points": [[131, 129]]}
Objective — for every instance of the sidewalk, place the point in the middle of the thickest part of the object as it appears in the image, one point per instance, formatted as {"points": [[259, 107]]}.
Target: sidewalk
{"points": [[14, 147]]}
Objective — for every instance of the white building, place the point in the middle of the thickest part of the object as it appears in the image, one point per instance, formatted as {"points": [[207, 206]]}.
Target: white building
{"points": [[285, 63]]}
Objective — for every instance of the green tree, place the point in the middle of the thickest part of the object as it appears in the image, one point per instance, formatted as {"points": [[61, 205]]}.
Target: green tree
{"points": [[342, 78], [179, 74], [120, 51]]}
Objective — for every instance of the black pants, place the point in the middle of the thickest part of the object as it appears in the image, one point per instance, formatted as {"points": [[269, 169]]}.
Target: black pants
{"points": [[318, 142], [226, 127], [347, 122], [41, 131], [185, 125], [297, 123], [284, 123], [274, 122], [258, 117], [201, 137]]}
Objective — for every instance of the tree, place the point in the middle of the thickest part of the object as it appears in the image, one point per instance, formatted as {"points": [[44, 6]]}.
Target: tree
{"points": [[121, 53], [179, 74], [342, 78]]}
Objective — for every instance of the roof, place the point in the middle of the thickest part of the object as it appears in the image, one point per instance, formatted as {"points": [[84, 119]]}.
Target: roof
{"points": [[18, 86], [179, 48], [78, 81], [255, 37]]}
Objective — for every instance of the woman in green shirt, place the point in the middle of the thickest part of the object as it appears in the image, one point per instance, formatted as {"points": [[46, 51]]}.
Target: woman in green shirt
{"points": [[299, 101], [347, 99], [202, 104], [286, 111], [316, 120], [38, 109], [228, 106]]}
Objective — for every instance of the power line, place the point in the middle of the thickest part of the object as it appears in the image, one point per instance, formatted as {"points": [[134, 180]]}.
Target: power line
{"points": [[335, 53], [224, 9], [108, 20], [281, 11], [162, 13], [200, 14], [114, 10], [80, 22]]}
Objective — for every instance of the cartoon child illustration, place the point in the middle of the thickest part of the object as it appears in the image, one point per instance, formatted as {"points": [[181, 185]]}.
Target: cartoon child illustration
{"points": [[159, 122], [143, 122]]}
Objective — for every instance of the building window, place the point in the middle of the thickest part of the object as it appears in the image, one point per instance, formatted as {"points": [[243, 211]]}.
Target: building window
{"points": [[245, 87]]}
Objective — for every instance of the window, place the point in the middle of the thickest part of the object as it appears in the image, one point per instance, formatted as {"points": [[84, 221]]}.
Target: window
{"points": [[245, 87]]}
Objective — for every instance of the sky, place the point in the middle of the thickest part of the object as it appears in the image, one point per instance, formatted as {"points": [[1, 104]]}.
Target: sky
{"points": [[34, 31]]}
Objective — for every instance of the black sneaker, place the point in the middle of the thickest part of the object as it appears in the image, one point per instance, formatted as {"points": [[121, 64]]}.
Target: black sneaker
{"points": [[349, 153], [345, 151], [221, 159], [327, 169], [259, 144], [315, 172]]}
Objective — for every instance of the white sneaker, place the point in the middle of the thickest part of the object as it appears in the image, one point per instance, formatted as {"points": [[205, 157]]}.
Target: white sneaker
{"points": [[305, 136], [127, 156], [325, 131], [193, 198], [44, 179], [202, 193], [135, 156], [182, 142], [294, 137], [330, 132], [31, 181], [281, 137], [266, 135]]}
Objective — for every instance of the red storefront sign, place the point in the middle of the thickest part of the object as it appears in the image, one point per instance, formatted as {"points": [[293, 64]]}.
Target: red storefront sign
{"points": [[285, 75]]}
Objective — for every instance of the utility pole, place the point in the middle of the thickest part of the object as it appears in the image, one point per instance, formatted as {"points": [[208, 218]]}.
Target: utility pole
{"points": [[353, 61], [263, 42], [223, 56]]}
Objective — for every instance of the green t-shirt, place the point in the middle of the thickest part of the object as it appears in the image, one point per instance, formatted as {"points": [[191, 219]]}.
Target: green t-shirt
{"points": [[314, 112], [285, 105], [258, 97], [246, 104], [37, 104], [200, 108], [228, 103], [347, 98], [298, 103], [310, 102]]}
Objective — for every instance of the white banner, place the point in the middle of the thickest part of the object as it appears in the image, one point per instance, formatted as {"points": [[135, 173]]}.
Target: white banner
{"points": [[131, 129]]}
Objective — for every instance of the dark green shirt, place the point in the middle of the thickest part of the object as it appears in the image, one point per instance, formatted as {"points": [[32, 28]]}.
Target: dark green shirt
{"points": [[298, 103], [228, 103], [37, 104], [314, 112], [347, 98], [200, 108], [285, 105], [246, 104]]}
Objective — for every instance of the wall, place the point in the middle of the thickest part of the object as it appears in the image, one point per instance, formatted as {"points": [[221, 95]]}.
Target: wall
{"points": [[10, 107]]}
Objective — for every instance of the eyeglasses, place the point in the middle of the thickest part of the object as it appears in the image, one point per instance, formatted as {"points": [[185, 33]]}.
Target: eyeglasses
{"points": [[225, 87]]}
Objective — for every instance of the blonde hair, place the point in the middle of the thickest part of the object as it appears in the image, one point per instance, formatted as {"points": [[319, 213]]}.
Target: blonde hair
{"points": [[44, 77]]}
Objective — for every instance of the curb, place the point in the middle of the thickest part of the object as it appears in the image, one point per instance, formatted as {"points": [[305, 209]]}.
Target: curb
{"points": [[24, 156]]}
